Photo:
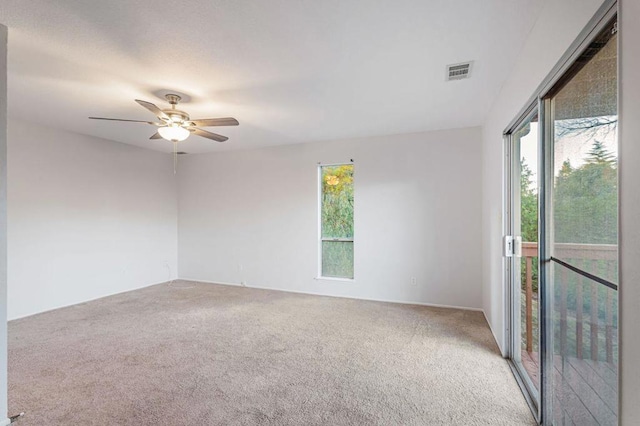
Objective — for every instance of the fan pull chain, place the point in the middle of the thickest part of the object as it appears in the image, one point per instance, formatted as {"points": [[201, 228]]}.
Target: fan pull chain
{"points": [[175, 157]]}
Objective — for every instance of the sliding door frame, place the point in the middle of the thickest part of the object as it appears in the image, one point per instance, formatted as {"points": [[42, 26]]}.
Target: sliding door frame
{"points": [[512, 267], [541, 100]]}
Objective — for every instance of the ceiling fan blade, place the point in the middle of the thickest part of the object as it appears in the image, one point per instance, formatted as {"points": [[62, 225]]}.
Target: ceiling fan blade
{"points": [[209, 122], [156, 135], [208, 135], [154, 109], [122, 119]]}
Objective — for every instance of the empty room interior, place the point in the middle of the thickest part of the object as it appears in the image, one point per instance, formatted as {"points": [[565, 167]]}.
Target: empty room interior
{"points": [[319, 213]]}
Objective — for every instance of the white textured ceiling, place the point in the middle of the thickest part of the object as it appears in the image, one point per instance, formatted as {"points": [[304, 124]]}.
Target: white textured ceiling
{"points": [[291, 71]]}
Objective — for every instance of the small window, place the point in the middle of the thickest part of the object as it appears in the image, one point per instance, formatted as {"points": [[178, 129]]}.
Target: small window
{"points": [[336, 221]]}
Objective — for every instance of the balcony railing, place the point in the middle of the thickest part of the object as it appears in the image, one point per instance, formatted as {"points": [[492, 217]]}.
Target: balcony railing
{"points": [[585, 373], [571, 298]]}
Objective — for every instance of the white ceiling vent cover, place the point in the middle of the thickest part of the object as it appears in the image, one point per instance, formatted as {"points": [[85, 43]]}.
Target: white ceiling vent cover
{"points": [[459, 71]]}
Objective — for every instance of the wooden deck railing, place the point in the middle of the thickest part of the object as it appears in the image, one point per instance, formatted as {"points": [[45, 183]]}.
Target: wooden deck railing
{"points": [[600, 259]]}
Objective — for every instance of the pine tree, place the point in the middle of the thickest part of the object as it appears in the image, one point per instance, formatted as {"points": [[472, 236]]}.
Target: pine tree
{"points": [[600, 155], [586, 200]]}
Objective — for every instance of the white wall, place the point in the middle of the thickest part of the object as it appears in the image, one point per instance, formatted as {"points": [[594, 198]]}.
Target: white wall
{"points": [[3, 224], [558, 25], [252, 216], [629, 213], [87, 218]]}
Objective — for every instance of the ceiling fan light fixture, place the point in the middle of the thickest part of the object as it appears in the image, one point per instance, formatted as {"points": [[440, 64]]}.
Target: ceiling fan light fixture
{"points": [[174, 133], [175, 125]]}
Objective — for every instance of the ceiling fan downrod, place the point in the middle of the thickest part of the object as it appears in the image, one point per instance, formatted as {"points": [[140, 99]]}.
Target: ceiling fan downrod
{"points": [[173, 99]]}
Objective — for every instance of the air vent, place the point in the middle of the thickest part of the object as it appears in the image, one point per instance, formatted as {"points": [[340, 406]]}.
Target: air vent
{"points": [[181, 153], [459, 71]]}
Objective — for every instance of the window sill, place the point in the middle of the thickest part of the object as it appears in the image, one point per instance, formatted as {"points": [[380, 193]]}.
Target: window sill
{"points": [[334, 279]]}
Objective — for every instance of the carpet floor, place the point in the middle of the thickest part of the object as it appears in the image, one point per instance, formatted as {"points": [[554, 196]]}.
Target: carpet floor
{"points": [[201, 354]]}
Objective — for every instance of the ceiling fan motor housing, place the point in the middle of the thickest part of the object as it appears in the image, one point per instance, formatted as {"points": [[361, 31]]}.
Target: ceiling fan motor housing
{"points": [[176, 115]]}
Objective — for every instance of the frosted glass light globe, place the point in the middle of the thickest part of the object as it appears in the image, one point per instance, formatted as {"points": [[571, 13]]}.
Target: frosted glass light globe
{"points": [[174, 133]]}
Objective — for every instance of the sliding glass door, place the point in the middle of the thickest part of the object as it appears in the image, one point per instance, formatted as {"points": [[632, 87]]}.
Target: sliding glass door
{"points": [[561, 243], [584, 237]]}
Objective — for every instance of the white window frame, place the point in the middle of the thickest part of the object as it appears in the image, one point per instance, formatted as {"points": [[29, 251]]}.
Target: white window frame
{"points": [[320, 238]]}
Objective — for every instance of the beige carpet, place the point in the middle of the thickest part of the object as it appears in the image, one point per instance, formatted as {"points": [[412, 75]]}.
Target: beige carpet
{"points": [[219, 355]]}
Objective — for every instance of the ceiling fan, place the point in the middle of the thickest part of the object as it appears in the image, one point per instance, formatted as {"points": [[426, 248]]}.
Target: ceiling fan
{"points": [[175, 125]]}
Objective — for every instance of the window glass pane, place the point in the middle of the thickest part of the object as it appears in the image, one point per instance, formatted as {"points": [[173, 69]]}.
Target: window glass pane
{"points": [[585, 236], [336, 210], [337, 201], [585, 368], [585, 196], [526, 352], [337, 259]]}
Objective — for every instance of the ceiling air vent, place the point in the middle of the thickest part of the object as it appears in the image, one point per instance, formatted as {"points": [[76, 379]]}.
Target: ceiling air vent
{"points": [[459, 71]]}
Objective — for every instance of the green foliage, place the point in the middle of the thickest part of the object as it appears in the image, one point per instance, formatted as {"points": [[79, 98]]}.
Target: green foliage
{"points": [[337, 201], [528, 220], [528, 204], [600, 155], [586, 200]]}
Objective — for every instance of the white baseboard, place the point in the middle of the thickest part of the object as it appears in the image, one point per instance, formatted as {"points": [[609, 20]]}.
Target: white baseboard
{"points": [[213, 282], [502, 352], [85, 301], [402, 302]]}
